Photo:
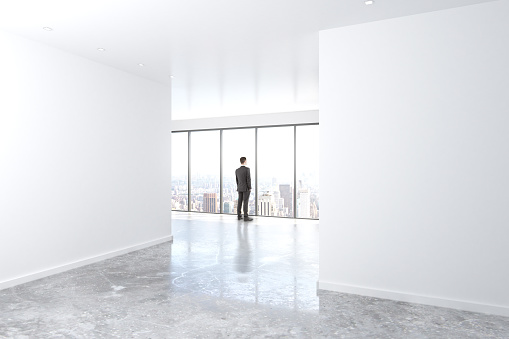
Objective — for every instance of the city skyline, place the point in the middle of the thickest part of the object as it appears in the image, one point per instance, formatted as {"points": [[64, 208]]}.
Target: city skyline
{"points": [[279, 196]]}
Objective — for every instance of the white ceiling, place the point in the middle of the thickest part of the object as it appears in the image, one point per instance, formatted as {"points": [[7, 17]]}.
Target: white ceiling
{"points": [[227, 57]]}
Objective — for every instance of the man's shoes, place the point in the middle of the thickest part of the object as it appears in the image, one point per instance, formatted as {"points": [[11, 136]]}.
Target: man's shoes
{"points": [[239, 216], [248, 219]]}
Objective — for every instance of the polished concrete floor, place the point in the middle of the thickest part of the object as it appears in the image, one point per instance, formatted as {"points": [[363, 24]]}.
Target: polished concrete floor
{"points": [[221, 278]]}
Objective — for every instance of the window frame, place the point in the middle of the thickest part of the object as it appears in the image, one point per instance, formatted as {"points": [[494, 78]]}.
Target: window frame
{"points": [[294, 216]]}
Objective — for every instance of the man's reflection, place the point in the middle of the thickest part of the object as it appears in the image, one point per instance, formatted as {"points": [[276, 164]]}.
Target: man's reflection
{"points": [[243, 258]]}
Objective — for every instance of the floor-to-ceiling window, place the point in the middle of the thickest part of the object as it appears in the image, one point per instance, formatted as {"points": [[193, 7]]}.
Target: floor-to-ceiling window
{"points": [[205, 161], [179, 171], [283, 162], [306, 169], [237, 143], [276, 171]]}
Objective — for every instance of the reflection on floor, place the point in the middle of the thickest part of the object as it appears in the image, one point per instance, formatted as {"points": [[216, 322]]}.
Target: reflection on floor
{"points": [[221, 278]]}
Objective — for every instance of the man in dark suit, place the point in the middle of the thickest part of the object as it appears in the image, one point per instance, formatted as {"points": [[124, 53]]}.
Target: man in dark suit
{"points": [[243, 177]]}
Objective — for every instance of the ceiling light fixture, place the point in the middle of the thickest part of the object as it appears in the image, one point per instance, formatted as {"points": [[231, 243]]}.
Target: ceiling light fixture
{"points": [[171, 76], [47, 29], [369, 2], [101, 49], [141, 65]]}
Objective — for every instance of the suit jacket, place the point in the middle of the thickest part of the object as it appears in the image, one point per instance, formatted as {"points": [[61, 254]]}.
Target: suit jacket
{"points": [[243, 177]]}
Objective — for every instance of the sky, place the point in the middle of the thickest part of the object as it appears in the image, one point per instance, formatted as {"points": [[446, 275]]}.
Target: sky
{"points": [[275, 152]]}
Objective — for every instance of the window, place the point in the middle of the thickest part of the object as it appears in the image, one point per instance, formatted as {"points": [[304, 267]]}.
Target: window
{"points": [[179, 184], [205, 192], [275, 171], [307, 159], [284, 163], [237, 143]]}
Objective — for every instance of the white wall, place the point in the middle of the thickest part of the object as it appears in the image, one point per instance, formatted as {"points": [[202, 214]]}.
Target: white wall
{"points": [[84, 161], [414, 150]]}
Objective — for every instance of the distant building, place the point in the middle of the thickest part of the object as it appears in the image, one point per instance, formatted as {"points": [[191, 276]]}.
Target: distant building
{"points": [[279, 202], [228, 207], [314, 211], [286, 192], [266, 205], [210, 202], [304, 203], [276, 194]]}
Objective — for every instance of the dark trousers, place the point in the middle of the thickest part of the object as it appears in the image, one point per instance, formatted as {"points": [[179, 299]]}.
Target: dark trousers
{"points": [[243, 198]]}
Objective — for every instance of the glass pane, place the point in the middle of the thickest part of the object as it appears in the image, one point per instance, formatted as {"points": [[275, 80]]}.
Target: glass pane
{"points": [[237, 143], [307, 172], [205, 171], [179, 171], [275, 171]]}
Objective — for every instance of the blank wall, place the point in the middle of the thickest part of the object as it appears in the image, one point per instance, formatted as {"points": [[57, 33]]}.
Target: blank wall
{"points": [[414, 158], [84, 161]]}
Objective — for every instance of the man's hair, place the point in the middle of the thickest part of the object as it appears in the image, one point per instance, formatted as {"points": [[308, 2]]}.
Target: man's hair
{"points": [[242, 160]]}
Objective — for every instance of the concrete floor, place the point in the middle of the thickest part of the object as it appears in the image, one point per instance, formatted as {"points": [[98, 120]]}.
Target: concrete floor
{"points": [[221, 278]]}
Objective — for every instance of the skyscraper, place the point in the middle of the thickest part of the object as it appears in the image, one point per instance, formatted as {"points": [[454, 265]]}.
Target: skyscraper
{"points": [[210, 202], [228, 207], [286, 192], [314, 211], [266, 205], [304, 203]]}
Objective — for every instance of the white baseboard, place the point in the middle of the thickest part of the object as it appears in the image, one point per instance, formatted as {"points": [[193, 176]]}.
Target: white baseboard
{"points": [[413, 298], [79, 263]]}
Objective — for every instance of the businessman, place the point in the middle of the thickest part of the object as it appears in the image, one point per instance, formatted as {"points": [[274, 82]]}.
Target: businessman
{"points": [[243, 177]]}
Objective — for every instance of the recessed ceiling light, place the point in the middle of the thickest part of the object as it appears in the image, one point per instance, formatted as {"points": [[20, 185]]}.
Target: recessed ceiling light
{"points": [[171, 76], [369, 2], [141, 65], [47, 28], [101, 49]]}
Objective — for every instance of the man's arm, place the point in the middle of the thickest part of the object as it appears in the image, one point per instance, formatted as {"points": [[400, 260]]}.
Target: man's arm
{"points": [[249, 178], [236, 178]]}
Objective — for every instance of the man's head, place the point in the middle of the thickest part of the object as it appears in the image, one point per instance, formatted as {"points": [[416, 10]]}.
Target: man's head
{"points": [[243, 160]]}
